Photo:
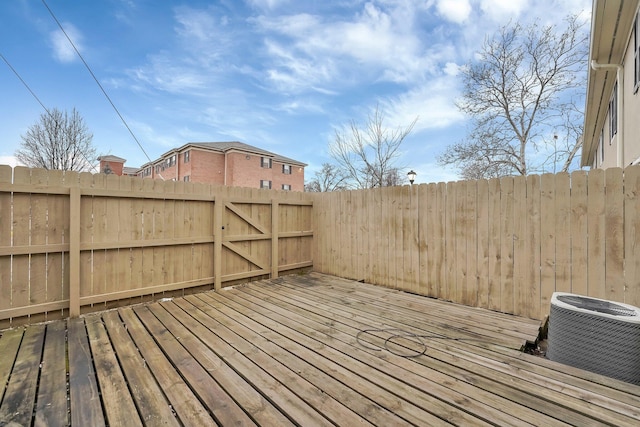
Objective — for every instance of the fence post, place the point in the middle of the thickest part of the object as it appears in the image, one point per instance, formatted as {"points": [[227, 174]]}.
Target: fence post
{"points": [[74, 251], [275, 219], [218, 210]]}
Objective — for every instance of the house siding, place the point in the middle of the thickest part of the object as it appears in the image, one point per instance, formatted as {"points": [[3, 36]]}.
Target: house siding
{"points": [[631, 117]]}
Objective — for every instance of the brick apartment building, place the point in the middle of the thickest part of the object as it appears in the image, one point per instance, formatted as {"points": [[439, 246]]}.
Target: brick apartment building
{"points": [[225, 163]]}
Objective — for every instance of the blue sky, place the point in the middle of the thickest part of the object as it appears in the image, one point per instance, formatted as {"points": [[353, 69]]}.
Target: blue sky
{"points": [[282, 75]]}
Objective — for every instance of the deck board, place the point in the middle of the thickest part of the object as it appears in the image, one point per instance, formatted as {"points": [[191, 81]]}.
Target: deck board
{"points": [[311, 350]]}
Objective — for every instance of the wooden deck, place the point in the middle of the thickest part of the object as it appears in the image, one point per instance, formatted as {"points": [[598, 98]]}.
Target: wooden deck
{"points": [[297, 350]]}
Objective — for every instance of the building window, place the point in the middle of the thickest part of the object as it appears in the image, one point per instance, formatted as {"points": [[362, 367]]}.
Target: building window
{"points": [[147, 171], [613, 113], [636, 53], [265, 184], [601, 145], [186, 178], [286, 169], [186, 156], [286, 187], [171, 161], [266, 162]]}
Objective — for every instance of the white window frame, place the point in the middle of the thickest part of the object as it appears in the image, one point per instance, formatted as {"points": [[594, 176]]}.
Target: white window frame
{"points": [[636, 53], [186, 156], [286, 187], [265, 184], [601, 144], [266, 162], [613, 113], [286, 169]]}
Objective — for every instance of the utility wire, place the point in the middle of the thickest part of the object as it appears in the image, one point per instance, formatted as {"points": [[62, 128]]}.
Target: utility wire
{"points": [[40, 102], [96, 79], [24, 83]]}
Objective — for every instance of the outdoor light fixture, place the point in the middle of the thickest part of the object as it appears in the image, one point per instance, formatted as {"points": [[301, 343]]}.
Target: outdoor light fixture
{"points": [[412, 176]]}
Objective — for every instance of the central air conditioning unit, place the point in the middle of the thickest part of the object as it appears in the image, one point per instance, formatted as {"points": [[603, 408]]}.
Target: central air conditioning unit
{"points": [[596, 335]]}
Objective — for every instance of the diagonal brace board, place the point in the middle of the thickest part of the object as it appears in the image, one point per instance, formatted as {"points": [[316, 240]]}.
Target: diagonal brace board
{"points": [[246, 255], [246, 218]]}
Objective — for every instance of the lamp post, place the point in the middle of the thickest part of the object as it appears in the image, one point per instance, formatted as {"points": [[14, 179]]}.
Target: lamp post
{"points": [[412, 176]]}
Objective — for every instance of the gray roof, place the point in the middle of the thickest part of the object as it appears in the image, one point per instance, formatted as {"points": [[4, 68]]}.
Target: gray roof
{"points": [[111, 158], [241, 146], [224, 147]]}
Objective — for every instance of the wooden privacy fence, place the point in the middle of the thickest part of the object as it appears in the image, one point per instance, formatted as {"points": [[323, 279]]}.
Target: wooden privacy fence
{"points": [[73, 242], [503, 244]]}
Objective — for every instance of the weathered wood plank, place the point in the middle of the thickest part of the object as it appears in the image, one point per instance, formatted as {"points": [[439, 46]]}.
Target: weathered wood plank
{"points": [[496, 372], [118, 405], [596, 278], [186, 404], [312, 370], [282, 386], [563, 232], [153, 407], [632, 235], [9, 345], [441, 373], [52, 408], [20, 394], [579, 233], [521, 257], [223, 407], [84, 397], [614, 234], [420, 390], [549, 237]]}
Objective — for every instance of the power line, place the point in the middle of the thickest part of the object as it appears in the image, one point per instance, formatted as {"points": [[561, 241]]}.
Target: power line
{"points": [[40, 102], [96, 79], [23, 82]]}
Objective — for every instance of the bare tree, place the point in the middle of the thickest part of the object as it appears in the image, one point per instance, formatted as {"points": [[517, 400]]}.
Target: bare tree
{"points": [[525, 85], [368, 155], [58, 141], [329, 178]]}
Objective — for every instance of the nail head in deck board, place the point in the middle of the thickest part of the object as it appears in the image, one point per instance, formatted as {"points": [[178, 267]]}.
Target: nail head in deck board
{"points": [[223, 407], [187, 406], [83, 388], [118, 404], [153, 407], [52, 407], [19, 397]]}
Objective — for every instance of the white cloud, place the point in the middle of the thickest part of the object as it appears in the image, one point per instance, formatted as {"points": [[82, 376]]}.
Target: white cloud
{"points": [[267, 4], [63, 50], [433, 103], [501, 10], [451, 69], [376, 44], [457, 11]]}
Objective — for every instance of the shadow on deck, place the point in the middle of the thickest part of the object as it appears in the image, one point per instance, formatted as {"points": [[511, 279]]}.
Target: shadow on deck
{"points": [[297, 350]]}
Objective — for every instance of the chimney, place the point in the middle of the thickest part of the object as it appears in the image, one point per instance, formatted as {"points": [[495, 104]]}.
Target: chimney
{"points": [[111, 165]]}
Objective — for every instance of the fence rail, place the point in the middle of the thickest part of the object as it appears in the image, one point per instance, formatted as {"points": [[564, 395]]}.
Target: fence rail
{"points": [[73, 242], [503, 244]]}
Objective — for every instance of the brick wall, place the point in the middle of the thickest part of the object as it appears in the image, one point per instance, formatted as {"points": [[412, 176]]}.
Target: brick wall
{"points": [[243, 170], [116, 167]]}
